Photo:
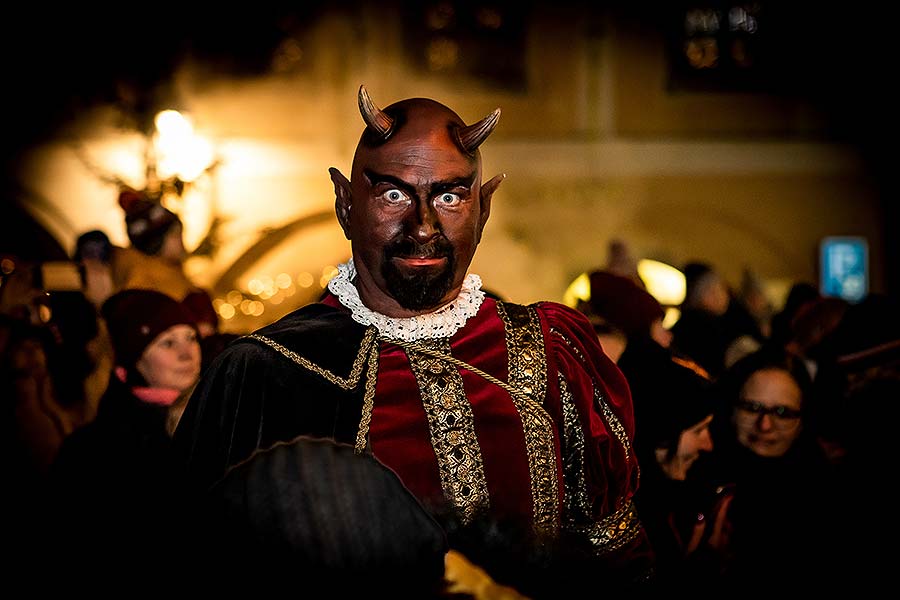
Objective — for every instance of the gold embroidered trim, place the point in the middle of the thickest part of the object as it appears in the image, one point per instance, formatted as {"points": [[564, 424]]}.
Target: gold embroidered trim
{"points": [[614, 531], [615, 425], [346, 383], [528, 373], [362, 434], [525, 347], [578, 505], [452, 427]]}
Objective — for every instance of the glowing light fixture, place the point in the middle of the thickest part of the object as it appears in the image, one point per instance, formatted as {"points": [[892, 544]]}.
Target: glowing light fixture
{"points": [[579, 289], [180, 152], [664, 282]]}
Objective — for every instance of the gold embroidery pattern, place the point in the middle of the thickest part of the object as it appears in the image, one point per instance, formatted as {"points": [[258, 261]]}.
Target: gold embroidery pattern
{"points": [[615, 531], [362, 434], [528, 373], [347, 383], [452, 427], [578, 506], [615, 425]]}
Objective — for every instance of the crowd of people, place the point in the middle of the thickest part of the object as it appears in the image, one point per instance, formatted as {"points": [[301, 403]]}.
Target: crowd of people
{"points": [[757, 429], [412, 433]]}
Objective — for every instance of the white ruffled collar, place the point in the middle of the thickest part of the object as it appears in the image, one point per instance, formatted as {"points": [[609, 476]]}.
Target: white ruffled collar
{"points": [[442, 323]]}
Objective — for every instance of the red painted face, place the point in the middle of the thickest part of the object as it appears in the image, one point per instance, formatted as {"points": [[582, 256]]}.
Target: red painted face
{"points": [[414, 211]]}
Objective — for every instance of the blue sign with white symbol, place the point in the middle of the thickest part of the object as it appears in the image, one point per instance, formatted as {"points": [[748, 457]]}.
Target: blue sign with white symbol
{"points": [[845, 268]]}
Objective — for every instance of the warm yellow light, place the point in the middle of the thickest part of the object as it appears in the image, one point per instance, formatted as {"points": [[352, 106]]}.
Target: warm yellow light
{"points": [[671, 317], [664, 282], [283, 281], [255, 287], [580, 289], [179, 150], [171, 124], [226, 311]]}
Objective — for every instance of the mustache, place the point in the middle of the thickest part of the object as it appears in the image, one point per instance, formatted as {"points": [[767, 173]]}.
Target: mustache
{"points": [[438, 247]]}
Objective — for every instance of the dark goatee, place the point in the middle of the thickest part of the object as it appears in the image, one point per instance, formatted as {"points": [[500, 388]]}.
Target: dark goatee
{"points": [[426, 288]]}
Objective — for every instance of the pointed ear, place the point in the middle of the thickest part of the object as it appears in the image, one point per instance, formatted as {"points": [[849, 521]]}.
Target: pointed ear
{"points": [[343, 199], [487, 191]]}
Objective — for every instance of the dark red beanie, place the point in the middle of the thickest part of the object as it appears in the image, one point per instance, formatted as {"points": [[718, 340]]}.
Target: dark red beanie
{"points": [[135, 317], [201, 306], [146, 220], [623, 303]]}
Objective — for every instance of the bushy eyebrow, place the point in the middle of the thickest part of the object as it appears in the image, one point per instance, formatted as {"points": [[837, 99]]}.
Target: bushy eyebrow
{"points": [[436, 187], [376, 178]]}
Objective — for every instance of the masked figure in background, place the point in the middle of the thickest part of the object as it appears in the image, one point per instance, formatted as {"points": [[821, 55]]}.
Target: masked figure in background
{"points": [[508, 422]]}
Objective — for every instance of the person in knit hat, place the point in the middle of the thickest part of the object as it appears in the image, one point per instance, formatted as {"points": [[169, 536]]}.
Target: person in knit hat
{"points": [[147, 221], [627, 307], [135, 319], [113, 479], [155, 257]]}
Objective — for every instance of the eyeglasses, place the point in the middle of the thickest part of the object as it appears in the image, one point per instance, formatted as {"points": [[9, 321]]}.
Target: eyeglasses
{"points": [[782, 416]]}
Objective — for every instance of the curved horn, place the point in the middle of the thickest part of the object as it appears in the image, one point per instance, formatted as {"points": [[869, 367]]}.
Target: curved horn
{"points": [[375, 118], [472, 136]]}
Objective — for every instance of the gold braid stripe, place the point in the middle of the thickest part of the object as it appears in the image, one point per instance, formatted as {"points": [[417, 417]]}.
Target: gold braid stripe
{"points": [[452, 428], [615, 425], [528, 372], [350, 382], [578, 505], [368, 402]]}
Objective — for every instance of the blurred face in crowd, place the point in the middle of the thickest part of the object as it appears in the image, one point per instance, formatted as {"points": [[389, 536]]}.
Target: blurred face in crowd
{"points": [[172, 360], [660, 334], [767, 414], [613, 343], [691, 443], [714, 295]]}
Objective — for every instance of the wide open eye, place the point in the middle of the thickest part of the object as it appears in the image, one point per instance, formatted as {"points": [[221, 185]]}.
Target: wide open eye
{"points": [[395, 195], [448, 199]]}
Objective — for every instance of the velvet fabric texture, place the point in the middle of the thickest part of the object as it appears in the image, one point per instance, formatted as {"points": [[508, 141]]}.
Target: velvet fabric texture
{"points": [[278, 399], [623, 303], [277, 509]]}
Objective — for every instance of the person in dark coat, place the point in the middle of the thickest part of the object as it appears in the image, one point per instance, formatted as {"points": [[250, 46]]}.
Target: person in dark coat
{"points": [[113, 481], [674, 407], [785, 520]]}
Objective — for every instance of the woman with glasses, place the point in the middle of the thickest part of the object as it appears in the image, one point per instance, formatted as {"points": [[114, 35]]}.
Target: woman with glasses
{"points": [[783, 525]]}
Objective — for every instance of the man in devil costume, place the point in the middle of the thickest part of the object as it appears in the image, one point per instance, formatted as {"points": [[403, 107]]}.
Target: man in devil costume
{"points": [[507, 422]]}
